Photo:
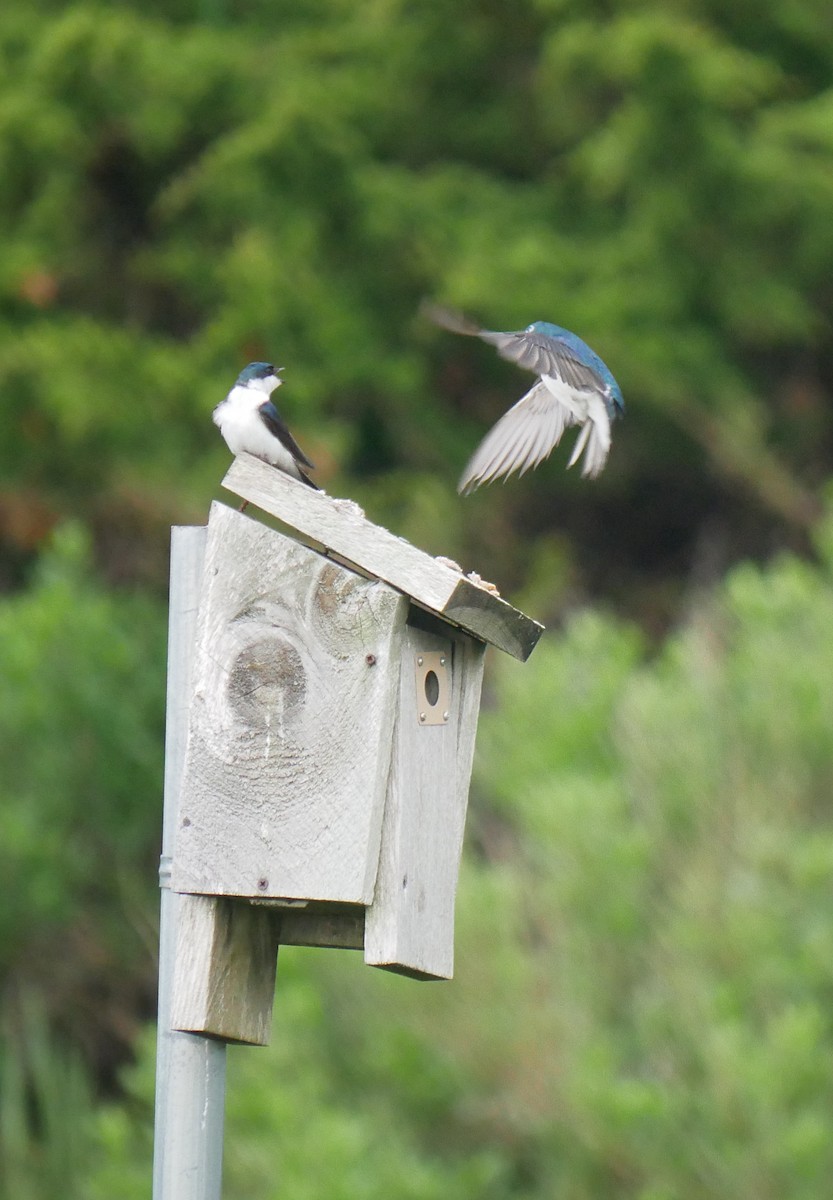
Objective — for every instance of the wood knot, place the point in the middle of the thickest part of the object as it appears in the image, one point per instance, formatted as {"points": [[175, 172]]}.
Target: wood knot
{"points": [[335, 587], [267, 683]]}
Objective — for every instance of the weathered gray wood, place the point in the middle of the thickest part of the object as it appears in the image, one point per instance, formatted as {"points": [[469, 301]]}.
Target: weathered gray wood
{"points": [[291, 721], [409, 928], [190, 1071], [471, 656], [340, 929], [226, 957], [380, 553]]}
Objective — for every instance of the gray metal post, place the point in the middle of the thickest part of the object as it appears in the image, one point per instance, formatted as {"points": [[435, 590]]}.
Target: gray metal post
{"points": [[190, 1070]]}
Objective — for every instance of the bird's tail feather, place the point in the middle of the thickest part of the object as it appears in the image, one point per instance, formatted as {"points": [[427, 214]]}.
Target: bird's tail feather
{"points": [[306, 479], [593, 440]]}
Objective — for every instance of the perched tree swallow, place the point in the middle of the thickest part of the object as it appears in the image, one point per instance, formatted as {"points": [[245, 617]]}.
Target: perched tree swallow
{"points": [[574, 387], [250, 423]]}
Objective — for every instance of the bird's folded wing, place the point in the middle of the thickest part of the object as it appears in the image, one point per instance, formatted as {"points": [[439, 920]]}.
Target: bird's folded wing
{"points": [[275, 424], [521, 439]]}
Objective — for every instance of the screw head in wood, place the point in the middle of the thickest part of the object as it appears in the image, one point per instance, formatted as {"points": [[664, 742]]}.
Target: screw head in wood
{"points": [[262, 884]]}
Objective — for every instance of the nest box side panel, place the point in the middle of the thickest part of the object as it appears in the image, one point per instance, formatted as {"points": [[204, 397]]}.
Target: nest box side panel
{"points": [[409, 928], [291, 721]]}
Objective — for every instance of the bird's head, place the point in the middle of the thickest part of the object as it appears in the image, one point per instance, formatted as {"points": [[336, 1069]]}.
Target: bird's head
{"points": [[260, 375]]}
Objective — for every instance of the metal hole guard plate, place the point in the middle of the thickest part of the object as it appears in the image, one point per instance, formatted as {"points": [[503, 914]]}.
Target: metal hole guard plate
{"points": [[433, 687]]}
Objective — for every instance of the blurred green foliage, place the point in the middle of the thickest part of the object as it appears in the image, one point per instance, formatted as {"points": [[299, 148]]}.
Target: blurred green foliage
{"points": [[82, 711], [641, 1004], [641, 1000], [188, 187], [45, 1110]]}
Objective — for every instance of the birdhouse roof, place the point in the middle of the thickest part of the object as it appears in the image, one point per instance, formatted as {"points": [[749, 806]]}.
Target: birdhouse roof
{"points": [[341, 531]]}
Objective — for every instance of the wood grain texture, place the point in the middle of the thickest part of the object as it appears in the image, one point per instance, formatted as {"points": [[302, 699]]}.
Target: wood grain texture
{"points": [[409, 928], [342, 930], [291, 721], [376, 551], [224, 982]]}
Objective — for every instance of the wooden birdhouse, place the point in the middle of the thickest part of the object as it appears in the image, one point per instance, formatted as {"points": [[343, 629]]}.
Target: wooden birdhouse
{"points": [[332, 714]]}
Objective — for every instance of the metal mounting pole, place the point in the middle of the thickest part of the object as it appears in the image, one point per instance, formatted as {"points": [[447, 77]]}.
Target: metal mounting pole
{"points": [[190, 1070]]}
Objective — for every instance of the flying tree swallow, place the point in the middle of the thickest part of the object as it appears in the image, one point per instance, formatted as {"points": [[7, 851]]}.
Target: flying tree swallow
{"points": [[574, 387], [250, 422]]}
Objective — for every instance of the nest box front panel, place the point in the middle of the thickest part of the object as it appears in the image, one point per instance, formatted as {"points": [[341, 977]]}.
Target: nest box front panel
{"points": [[290, 731], [410, 925]]}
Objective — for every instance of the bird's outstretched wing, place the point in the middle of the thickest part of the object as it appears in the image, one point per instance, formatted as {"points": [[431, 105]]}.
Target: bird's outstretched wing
{"points": [[523, 437], [538, 352], [449, 318], [545, 355]]}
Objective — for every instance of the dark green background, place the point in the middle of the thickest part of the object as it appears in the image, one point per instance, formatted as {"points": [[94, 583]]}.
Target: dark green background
{"points": [[645, 937]]}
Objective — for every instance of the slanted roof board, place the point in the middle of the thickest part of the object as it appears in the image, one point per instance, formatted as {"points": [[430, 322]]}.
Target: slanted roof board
{"points": [[376, 551]]}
